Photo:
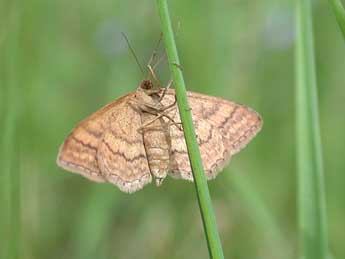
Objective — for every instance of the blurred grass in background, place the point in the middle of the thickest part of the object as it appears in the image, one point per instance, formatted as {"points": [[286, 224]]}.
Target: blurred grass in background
{"points": [[62, 60]]}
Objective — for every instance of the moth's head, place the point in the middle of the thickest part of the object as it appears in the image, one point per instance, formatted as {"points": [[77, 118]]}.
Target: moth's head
{"points": [[146, 85], [148, 88]]}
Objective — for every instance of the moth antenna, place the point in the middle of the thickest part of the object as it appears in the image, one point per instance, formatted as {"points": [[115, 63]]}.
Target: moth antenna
{"points": [[154, 52], [133, 53], [152, 72], [163, 57]]}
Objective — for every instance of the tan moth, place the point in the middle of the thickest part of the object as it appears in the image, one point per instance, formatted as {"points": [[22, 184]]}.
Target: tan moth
{"points": [[137, 138]]}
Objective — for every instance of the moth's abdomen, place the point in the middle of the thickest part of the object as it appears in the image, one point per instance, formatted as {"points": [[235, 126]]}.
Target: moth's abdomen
{"points": [[158, 158], [157, 145]]}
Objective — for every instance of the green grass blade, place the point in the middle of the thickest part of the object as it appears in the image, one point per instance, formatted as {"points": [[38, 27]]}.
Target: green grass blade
{"points": [[311, 196], [205, 204], [10, 160], [259, 212], [339, 13], [94, 222]]}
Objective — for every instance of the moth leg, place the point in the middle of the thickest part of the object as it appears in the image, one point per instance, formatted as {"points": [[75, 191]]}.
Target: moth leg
{"points": [[153, 107], [153, 74], [160, 115], [178, 65], [159, 109], [150, 122], [154, 52], [173, 122], [176, 124], [170, 105], [165, 90], [159, 61], [140, 104]]}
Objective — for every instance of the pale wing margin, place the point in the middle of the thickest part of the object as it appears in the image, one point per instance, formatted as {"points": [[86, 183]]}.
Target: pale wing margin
{"points": [[223, 128]]}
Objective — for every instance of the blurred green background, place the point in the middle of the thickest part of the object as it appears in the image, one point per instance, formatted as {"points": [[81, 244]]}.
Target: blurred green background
{"points": [[62, 60]]}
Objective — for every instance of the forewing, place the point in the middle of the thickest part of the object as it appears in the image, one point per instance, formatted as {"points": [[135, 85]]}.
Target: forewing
{"points": [[121, 154], [222, 127], [78, 153]]}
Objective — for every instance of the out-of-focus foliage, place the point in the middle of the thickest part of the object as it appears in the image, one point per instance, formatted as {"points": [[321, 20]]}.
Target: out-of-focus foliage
{"points": [[62, 60], [339, 13]]}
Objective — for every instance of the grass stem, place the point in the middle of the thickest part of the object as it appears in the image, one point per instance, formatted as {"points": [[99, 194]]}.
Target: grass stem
{"points": [[204, 199], [339, 13], [311, 194]]}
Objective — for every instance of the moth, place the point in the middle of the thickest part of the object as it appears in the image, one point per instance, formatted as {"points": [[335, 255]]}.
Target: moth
{"points": [[139, 138]]}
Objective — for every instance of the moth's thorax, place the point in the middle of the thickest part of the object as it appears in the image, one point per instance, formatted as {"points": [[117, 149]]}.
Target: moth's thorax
{"points": [[147, 96]]}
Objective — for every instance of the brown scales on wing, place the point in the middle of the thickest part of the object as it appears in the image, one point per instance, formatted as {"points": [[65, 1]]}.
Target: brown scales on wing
{"points": [[222, 127], [78, 153]]}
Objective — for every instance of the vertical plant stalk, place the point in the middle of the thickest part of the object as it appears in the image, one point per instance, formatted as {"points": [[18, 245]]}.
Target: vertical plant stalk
{"points": [[204, 199], [339, 13], [260, 214], [311, 194], [10, 175]]}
